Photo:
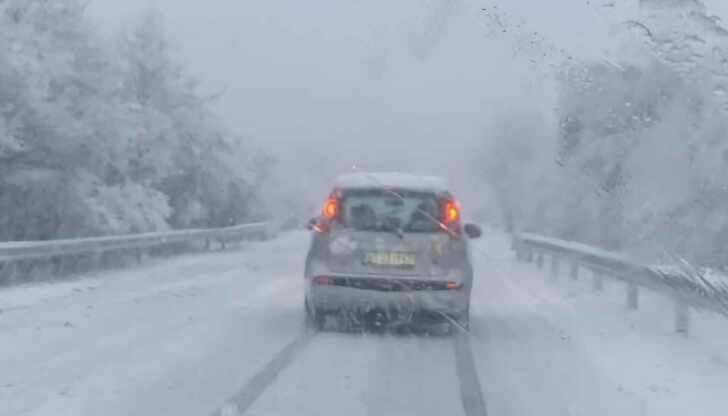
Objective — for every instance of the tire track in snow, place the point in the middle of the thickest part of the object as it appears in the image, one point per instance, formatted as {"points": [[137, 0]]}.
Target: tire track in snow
{"points": [[256, 386], [471, 394]]}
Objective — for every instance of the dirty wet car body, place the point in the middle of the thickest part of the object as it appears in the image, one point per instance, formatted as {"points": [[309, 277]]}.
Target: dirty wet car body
{"points": [[389, 250]]}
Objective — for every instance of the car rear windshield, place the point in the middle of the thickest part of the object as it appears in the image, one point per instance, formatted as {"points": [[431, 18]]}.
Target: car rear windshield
{"points": [[386, 210]]}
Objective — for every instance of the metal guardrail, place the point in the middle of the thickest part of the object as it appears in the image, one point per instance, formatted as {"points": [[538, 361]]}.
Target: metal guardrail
{"points": [[14, 252], [688, 286], [41, 249]]}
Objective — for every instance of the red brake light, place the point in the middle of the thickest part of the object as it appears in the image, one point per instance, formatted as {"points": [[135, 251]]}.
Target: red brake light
{"points": [[454, 285], [323, 280], [451, 213], [331, 208]]}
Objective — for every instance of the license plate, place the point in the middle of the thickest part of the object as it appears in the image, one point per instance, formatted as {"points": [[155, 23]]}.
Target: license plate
{"points": [[391, 258]]}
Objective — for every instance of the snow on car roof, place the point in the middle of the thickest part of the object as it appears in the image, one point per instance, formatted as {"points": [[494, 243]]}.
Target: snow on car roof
{"points": [[394, 180]]}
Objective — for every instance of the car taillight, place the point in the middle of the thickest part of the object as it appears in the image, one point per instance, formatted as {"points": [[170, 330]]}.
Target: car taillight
{"points": [[323, 280], [331, 209], [454, 285], [451, 213], [450, 222]]}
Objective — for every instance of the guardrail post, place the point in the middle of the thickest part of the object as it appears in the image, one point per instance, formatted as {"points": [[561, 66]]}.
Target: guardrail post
{"points": [[207, 244], [138, 255], [682, 318], [539, 260], [103, 260], [574, 272], [598, 283], [56, 266], [529, 255], [633, 299], [7, 271], [554, 267], [518, 247]]}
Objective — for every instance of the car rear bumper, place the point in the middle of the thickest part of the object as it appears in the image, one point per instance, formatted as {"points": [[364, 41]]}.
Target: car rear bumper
{"points": [[325, 298]]}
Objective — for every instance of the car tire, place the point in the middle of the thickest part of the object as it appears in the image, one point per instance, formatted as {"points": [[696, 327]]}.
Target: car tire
{"points": [[464, 321], [314, 318], [465, 318], [460, 322]]}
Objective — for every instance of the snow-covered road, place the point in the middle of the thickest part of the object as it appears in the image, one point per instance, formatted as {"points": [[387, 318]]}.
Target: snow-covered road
{"points": [[182, 336]]}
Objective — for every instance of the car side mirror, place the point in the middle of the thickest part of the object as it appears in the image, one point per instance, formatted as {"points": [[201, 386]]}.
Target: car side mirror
{"points": [[472, 230], [311, 223]]}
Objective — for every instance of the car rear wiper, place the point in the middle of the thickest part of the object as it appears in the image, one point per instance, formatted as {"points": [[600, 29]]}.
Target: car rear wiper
{"points": [[393, 229]]}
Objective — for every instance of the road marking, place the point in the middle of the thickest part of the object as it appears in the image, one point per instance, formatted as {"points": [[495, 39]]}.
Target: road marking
{"points": [[471, 394], [238, 404]]}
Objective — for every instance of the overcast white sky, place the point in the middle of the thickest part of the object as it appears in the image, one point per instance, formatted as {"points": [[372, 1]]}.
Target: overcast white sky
{"points": [[362, 69], [386, 83]]}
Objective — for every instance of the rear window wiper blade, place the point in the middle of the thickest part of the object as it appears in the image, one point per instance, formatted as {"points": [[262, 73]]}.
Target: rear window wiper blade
{"points": [[393, 229]]}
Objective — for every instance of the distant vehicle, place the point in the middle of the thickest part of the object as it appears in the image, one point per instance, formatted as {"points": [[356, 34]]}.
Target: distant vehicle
{"points": [[389, 249]]}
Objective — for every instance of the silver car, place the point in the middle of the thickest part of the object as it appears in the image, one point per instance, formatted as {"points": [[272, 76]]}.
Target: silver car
{"points": [[389, 249]]}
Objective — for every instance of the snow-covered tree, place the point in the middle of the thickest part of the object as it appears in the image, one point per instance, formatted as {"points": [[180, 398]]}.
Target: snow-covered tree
{"points": [[99, 137]]}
